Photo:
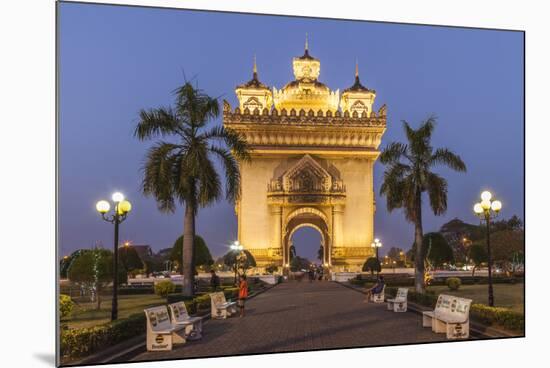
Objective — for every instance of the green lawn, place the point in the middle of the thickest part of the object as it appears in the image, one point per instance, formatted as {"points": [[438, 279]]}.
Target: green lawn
{"points": [[506, 295], [85, 314]]}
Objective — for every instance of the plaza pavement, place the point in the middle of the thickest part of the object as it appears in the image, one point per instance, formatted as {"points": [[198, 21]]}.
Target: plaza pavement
{"points": [[297, 316]]}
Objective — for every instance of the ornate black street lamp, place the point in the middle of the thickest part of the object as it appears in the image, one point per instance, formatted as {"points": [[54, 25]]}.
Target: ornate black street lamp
{"points": [[376, 244], [121, 209], [237, 247], [487, 210]]}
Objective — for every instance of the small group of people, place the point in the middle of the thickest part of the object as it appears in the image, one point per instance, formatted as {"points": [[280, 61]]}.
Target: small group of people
{"points": [[376, 289], [243, 289], [315, 273]]}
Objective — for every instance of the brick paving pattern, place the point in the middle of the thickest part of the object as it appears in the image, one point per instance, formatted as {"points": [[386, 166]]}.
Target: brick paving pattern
{"points": [[297, 316]]}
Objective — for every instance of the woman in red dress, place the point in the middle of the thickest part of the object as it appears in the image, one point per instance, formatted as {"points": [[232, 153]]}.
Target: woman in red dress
{"points": [[243, 293]]}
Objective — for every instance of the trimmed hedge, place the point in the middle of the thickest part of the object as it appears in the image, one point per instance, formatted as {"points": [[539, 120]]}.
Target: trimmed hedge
{"points": [[502, 317], [66, 305], [81, 342], [402, 280], [136, 290], [77, 343]]}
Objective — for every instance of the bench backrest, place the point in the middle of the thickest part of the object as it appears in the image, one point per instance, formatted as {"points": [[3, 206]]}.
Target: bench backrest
{"points": [[401, 295], [158, 318], [217, 298], [452, 307], [179, 312]]}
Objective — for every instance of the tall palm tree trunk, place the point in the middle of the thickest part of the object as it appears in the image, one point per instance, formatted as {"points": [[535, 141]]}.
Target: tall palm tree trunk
{"points": [[418, 239], [188, 251]]}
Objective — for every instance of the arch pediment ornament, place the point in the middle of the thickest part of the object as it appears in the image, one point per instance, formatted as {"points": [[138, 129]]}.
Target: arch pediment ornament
{"points": [[306, 176], [306, 182]]}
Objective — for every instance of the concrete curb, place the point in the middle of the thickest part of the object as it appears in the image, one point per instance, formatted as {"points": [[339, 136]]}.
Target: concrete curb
{"points": [[478, 330], [133, 346]]}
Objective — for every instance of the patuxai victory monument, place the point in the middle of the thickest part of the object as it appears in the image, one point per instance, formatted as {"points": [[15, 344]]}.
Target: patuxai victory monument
{"points": [[313, 154]]}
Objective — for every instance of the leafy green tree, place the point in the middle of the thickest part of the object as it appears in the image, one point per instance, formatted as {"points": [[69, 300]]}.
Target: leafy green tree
{"points": [[93, 269], [64, 264], [372, 265], [202, 253], [299, 263], [505, 244], [129, 262], [514, 223], [239, 262], [409, 174], [183, 169], [478, 254], [438, 251]]}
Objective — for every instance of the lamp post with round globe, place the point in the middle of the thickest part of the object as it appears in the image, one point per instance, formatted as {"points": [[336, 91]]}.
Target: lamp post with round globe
{"points": [[486, 210], [121, 209], [376, 244], [237, 247]]}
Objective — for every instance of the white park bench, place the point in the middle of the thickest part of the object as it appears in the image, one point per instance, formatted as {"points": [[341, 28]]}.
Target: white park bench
{"points": [[193, 325], [161, 332], [379, 298], [399, 303], [221, 308], [451, 316]]}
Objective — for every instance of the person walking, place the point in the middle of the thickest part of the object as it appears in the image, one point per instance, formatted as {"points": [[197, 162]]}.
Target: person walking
{"points": [[243, 293], [214, 280]]}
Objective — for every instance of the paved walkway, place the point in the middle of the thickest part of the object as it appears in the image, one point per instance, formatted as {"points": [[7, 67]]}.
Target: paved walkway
{"points": [[297, 316]]}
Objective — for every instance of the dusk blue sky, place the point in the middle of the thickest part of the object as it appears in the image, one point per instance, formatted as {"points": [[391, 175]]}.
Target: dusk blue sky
{"points": [[116, 60]]}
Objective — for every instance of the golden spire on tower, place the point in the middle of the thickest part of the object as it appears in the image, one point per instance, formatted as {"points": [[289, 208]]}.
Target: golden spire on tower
{"points": [[255, 69]]}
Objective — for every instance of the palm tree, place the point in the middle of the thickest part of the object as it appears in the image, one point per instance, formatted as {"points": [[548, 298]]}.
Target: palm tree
{"points": [[183, 169], [408, 175]]}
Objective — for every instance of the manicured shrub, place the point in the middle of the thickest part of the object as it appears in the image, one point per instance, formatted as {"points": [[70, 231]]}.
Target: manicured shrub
{"points": [[502, 317], [165, 287], [178, 297], [66, 305], [136, 290], [481, 313], [76, 343], [453, 283]]}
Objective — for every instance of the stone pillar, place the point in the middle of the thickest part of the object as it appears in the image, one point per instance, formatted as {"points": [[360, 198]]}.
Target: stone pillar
{"points": [[276, 231], [337, 226]]}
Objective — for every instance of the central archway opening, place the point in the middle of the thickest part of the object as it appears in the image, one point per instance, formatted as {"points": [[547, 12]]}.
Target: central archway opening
{"points": [[306, 242]]}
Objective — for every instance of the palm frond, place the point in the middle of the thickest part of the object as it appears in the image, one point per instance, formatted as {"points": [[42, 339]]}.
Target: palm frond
{"points": [[194, 106], [157, 175], [208, 181], [444, 156], [392, 186], [156, 122], [232, 139], [232, 172], [426, 129], [437, 192], [393, 153]]}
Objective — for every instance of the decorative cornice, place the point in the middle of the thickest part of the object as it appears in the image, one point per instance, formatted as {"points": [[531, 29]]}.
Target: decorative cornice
{"points": [[319, 130]]}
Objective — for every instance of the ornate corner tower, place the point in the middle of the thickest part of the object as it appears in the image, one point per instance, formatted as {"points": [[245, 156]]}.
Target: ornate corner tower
{"points": [[254, 94], [312, 163]]}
